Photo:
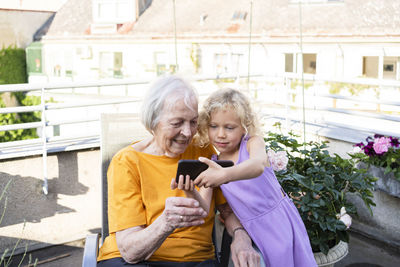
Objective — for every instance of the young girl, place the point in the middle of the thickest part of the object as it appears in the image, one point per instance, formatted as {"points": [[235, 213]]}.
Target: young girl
{"points": [[251, 188]]}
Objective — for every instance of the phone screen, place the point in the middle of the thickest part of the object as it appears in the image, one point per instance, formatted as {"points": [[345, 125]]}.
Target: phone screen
{"points": [[195, 167]]}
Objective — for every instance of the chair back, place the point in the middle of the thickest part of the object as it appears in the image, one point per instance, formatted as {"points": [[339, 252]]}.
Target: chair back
{"points": [[117, 131]]}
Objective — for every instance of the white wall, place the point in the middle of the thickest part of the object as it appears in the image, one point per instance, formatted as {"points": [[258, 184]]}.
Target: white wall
{"points": [[333, 60]]}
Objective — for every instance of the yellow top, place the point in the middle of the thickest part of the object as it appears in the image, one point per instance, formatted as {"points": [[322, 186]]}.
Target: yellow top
{"points": [[138, 185]]}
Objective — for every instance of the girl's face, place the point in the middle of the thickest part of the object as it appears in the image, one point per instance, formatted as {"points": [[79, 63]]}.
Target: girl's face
{"points": [[225, 130]]}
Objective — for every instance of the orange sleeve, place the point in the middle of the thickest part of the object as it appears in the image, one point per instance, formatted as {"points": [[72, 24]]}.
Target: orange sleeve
{"points": [[125, 205]]}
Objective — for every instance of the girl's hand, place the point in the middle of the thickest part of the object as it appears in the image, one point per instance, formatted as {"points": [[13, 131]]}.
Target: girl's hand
{"points": [[214, 176]]}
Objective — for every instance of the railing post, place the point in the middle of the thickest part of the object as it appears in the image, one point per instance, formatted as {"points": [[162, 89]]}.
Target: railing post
{"points": [[314, 102], [45, 186], [288, 86]]}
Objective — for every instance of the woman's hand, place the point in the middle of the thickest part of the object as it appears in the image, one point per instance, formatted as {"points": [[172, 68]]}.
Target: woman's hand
{"points": [[182, 212], [214, 176], [243, 253], [139, 243]]}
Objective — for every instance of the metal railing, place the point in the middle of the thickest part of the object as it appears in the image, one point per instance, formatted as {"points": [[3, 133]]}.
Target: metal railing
{"points": [[277, 99]]}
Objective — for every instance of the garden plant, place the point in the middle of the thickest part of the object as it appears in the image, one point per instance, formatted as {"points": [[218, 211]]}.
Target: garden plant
{"points": [[318, 184]]}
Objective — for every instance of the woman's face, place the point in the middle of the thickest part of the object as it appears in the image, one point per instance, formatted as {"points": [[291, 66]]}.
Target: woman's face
{"points": [[177, 126]]}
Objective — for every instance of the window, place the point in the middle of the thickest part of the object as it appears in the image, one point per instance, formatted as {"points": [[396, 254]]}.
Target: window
{"points": [[114, 11], [118, 65], [289, 66], [315, 1], [68, 63], [239, 16], [237, 63], [196, 58], [310, 63], [292, 63], [162, 63], [221, 63], [56, 130], [370, 66], [34, 58], [111, 65], [390, 67]]}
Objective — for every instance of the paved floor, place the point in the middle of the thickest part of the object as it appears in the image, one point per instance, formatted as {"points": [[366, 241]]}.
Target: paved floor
{"points": [[363, 252]]}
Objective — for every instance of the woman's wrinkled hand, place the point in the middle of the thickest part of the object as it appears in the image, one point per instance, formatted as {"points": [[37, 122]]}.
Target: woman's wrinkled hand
{"points": [[182, 212], [212, 177], [243, 253]]}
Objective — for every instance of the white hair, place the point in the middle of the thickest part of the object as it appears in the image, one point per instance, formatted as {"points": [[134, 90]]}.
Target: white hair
{"points": [[169, 87]]}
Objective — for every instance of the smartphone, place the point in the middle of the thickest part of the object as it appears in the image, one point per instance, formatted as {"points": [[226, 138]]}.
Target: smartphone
{"points": [[195, 167]]}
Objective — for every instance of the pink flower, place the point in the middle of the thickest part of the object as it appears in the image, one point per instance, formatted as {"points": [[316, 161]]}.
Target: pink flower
{"points": [[381, 145], [278, 160]]}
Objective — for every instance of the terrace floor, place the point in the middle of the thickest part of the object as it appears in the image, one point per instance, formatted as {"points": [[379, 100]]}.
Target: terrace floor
{"points": [[363, 252]]}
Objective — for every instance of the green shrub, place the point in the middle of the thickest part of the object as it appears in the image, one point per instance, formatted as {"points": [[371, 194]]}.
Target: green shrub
{"points": [[13, 71], [11, 118], [12, 65], [318, 182]]}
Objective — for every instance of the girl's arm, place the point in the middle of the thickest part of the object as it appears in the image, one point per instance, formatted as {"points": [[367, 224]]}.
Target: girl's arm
{"points": [[203, 196], [253, 167]]}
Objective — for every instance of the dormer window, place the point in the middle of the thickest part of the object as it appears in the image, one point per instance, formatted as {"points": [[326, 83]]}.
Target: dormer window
{"points": [[315, 1], [239, 16], [114, 11]]}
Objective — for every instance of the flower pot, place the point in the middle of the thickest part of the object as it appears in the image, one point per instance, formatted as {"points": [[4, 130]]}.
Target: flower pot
{"points": [[335, 254]]}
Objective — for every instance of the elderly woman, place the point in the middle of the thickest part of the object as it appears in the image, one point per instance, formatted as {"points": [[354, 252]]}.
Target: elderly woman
{"points": [[150, 224]]}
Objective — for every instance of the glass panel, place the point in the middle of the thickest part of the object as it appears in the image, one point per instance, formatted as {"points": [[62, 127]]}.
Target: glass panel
{"points": [[118, 65], [236, 62], [69, 63], [370, 66], [289, 63], [310, 63], [389, 67], [220, 63], [106, 64], [106, 11], [123, 10], [34, 58]]}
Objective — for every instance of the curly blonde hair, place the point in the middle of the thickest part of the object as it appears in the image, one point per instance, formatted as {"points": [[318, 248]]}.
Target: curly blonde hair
{"points": [[224, 99]]}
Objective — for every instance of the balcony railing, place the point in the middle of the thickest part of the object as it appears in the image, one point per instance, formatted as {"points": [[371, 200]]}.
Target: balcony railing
{"points": [[347, 110]]}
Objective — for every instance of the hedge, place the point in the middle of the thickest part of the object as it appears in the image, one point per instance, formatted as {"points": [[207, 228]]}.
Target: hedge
{"points": [[13, 71]]}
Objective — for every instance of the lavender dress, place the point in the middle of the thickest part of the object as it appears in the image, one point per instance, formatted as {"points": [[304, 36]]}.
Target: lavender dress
{"points": [[271, 219]]}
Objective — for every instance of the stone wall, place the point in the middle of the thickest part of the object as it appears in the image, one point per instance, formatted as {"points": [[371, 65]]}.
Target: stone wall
{"points": [[384, 223]]}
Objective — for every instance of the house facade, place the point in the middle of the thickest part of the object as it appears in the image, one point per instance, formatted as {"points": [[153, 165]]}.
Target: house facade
{"points": [[21, 19], [103, 39]]}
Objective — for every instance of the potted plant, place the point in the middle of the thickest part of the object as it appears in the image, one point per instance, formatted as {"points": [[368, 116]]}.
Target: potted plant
{"points": [[317, 183], [380, 155]]}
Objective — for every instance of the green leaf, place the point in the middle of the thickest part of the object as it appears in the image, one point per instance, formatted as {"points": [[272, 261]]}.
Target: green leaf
{"points": [[324, 248], [387, 170]]}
